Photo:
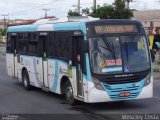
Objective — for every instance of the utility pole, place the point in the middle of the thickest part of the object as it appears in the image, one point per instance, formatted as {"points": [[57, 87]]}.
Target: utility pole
{"points": [[8, 17], [94, 5], [78, 6], [128, 1], [5, 20], [45, 10]]}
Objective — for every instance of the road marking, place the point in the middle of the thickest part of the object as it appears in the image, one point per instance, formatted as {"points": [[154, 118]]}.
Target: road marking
{"points": [[156, 98]]}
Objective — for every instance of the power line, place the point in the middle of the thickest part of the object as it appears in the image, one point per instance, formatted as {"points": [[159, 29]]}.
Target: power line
{"points": [[42, 5], [94, 5], [28, 11], [36, 8]]}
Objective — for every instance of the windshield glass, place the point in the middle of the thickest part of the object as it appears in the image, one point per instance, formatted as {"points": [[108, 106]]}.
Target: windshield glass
{"points": [[122, 54]]}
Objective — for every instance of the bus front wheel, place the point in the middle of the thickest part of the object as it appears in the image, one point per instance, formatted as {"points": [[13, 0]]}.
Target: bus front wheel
{"points": [[69, 94], [25, 80]]}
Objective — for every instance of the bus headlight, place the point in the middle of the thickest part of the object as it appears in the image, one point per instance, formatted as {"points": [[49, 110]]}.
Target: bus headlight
{"points": [[97, 84], [148, 80]]}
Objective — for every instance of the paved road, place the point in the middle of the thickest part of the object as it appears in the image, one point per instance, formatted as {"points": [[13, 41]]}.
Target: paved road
{"points": [[14, 99]]}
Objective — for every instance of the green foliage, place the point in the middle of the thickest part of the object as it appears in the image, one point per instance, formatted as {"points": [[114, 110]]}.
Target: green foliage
{"points": [[85, 11], [104, 12], [119, 4], [3, 32], [123, 14], [120, 11], [73, 13], [117, 10]]}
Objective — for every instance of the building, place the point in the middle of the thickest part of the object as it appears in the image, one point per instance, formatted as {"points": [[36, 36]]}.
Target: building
{"points": [[26, 22], [20, 22], [150, 19], [3, 24]]}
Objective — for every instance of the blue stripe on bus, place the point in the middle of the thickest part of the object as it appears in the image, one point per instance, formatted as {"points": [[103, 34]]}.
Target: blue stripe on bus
{"points": [[89, 78], [23, 28], [115, 90], [67, 26], [84, 29], [54, 87], [70, 26], [56, 27]]}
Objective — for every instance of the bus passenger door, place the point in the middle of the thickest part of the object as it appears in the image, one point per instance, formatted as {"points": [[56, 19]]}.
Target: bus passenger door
{"points": [[15, 67], [78, 57], [43, 40]]}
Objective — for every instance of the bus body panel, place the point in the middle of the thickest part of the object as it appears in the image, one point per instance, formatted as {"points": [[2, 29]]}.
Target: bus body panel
{"points": [[33, 67], [10, 64], [141, 92], [45, 74], [56, 70], [51, 73], [147, 91]]}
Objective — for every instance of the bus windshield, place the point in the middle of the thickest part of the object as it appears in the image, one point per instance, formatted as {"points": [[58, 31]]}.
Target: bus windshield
{"points": [[119, 54]]}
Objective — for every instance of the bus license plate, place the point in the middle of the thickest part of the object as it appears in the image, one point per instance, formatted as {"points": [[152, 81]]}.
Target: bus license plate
{"points": [[124, 94]]}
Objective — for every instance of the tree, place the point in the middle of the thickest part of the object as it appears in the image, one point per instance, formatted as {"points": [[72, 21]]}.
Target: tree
{"points": [[120, 10], [85, 11], [117, 10], [73, 13], [3, 32], [104, 12]]}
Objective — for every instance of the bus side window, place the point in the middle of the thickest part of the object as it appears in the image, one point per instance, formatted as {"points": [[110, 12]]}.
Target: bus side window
{"points": [[51, 45], [32, 44], [22, 43], [9, 44], [62, 48]]}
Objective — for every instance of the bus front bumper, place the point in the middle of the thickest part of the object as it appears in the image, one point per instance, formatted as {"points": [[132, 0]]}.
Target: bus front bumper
{"points": [[95, 95]]}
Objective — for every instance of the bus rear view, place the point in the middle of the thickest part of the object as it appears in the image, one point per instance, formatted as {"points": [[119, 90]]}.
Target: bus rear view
{"points": [[119, 61]]}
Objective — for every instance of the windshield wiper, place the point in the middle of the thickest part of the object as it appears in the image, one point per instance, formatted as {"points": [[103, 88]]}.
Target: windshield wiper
{"points": [[109, 47], [126, 48]]}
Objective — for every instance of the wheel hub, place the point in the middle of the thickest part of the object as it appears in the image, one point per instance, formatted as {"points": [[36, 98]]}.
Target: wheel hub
{"points": [[69, 94], [25, 82]]}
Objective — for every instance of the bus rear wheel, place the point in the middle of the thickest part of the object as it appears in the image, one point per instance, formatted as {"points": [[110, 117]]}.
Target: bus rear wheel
{"points": [[25, 80], [69, 94]]}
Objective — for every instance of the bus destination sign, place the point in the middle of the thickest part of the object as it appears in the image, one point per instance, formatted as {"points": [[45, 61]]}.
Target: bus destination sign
{"points": [[99, 29]]}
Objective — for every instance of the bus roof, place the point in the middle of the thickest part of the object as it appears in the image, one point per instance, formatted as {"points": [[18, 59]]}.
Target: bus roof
{"points": [[64, 23], [68, 25], [48, 27]]}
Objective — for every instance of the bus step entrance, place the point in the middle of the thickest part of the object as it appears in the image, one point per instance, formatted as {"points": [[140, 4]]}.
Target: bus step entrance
{"points": [[45, 89], [80, 96]]}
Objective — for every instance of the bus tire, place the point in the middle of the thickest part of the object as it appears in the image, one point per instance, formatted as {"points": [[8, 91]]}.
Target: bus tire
{"points": [[69, 97], [25, 80]]}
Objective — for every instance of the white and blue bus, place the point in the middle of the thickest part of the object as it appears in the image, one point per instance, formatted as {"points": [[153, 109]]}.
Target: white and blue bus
{"points": [[86, 60]]}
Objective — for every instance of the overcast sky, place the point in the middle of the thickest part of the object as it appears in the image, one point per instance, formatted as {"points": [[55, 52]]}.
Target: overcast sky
{"points": [[30, 9]]}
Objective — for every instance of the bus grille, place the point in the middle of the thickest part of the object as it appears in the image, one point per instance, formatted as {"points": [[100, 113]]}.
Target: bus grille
{"points": [[115, 90], [123, 80]]}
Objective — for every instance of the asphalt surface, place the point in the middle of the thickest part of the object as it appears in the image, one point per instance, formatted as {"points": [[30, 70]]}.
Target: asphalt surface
{"points": [[14, 99]]}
